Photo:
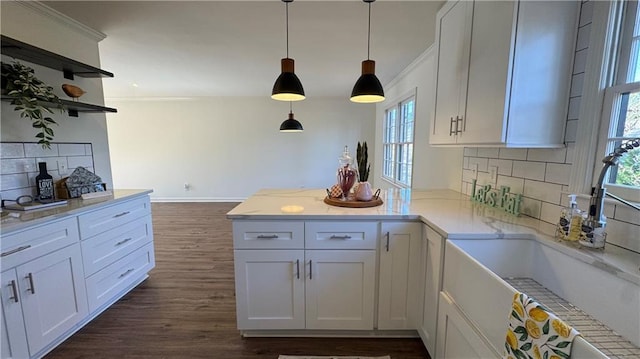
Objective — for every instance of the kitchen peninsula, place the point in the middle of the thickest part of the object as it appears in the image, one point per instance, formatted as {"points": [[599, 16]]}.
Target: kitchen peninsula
{"points": [[305, 268]]}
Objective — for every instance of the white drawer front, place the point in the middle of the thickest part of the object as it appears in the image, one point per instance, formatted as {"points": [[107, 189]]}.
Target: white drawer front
{"points": [[268, 234], [18, 248], [112, 280], [341, 235], [104, 219], [105, 248]]}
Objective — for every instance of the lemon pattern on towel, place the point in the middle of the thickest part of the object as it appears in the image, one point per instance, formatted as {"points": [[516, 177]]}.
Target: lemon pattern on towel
{"points": [[535, 332]]}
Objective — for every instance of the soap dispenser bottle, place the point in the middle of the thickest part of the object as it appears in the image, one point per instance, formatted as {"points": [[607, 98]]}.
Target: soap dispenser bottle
{"points": [[566, 222], [575, 223]]}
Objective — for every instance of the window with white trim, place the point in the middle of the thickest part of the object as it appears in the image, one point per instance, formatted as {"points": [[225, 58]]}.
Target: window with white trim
{"points": [[621, 108], [397, 142]]}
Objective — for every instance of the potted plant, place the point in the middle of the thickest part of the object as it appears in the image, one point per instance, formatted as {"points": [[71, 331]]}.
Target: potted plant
{"points": [[32, 98], [363, 191]]}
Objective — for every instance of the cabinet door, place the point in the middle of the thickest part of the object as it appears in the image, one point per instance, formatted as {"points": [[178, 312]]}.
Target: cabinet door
{"points": [[433, 254], [492, 38], [14, 339], [270, 289], [456, 337], [453, 32], [53, 295], [399, 286], [340, 289]]}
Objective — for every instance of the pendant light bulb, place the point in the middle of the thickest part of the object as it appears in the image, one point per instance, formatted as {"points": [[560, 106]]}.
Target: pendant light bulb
{"points": [[368, 88], [287, 86], [291, 124]]}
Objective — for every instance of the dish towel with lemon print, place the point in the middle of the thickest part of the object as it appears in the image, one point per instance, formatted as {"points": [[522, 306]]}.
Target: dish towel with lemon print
{"points": [[535, 332]]}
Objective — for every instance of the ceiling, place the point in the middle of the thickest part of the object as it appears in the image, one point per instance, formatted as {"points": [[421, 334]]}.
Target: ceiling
{"points": [[233, 48]]}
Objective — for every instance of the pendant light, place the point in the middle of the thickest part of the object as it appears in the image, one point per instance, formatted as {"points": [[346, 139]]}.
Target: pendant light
{"points": [[287, 86], [368, 88], [291, 124]]}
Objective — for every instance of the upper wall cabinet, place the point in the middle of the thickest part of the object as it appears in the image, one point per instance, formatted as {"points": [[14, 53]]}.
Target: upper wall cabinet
{"points": [[503, 72], [68, 67]]}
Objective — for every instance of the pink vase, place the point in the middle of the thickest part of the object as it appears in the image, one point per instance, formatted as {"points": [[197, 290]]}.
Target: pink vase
{"points": [[364, 192]]}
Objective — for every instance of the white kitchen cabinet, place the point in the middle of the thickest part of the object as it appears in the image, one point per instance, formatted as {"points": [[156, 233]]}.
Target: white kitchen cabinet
{"points": [[340, 289], [50, 291], [300, 286], [399, 289], [433, 256], [457, 338], [14, 338], [270, 289], [453, 36], [516, 83]]}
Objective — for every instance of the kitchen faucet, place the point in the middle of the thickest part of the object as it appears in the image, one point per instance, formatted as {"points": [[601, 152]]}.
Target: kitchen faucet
{"points": [[596, 220]]}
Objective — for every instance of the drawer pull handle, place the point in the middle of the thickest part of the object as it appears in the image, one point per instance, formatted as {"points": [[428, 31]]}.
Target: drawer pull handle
{"points": [[271, 236], [121, 214], [32, 288], [123, 241], [16, 250], [126, 273], [310, 269], [14, 290], [298, 268], [340, 237]]}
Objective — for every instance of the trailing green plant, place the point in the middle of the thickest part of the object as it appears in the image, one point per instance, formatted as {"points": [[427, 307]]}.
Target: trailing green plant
{"points": [[362, 157], [32, 98]]}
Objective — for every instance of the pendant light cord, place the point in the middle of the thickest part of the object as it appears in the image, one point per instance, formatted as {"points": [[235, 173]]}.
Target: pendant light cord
{"points": [[287, 12], [290, 107], [369, 33]]}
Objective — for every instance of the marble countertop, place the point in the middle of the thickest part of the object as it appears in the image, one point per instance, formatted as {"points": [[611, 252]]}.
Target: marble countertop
{"points": [[448, 212], [19, 220]]}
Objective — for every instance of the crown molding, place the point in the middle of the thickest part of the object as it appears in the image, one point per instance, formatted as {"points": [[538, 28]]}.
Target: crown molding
{"points": [[62, 19]]}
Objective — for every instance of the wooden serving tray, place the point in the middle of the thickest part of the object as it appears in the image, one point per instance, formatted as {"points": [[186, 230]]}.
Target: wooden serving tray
{"points": [[352, 202]]}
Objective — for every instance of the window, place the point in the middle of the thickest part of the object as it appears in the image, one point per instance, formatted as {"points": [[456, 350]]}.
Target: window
{"points": [[621, 111], [397, 143]]}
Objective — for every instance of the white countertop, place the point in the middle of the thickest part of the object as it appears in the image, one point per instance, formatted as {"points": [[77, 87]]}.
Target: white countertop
{"points": [[452, 214], [19, 220]]}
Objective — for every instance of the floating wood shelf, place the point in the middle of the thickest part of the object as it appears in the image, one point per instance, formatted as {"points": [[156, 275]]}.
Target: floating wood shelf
{"points": [[73, 108], [69, 67]]}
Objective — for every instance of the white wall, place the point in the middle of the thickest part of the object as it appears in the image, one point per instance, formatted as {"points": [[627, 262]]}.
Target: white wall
{"points": [[40, 26], [433, 167], [227, 148]]}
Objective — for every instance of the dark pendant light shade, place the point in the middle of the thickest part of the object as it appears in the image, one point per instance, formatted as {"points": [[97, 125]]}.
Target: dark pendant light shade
{"points": [[287, 86], [291, 125], [368, 88]]}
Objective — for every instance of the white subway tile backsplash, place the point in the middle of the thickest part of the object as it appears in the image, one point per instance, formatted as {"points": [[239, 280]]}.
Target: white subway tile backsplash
{"points": [[75, 161], [547, 154], [488, 152], [586, 13], [530, 207], [36, 150], [513, 153], [17, 165], [574, 108], [626, 214], [577, 82], [468, 175], [470, 151], [12, 194], [623, 234], [465, 163], [516, 185], [558, 173], [71, 149], [483, 163], [529, 170], [11, 150], [550, 212], [484, 178], [571, 150], [580, 64], [548, 192], [13, 181], [504, 166], [571, 131], [584, 35]]}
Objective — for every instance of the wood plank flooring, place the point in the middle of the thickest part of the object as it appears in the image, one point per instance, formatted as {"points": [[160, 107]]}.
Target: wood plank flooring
{"points": [[186, 309]]}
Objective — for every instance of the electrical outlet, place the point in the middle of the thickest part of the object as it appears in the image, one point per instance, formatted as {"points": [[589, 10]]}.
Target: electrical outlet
{"points": [[493, 173], [62, 168], [474, 170]]}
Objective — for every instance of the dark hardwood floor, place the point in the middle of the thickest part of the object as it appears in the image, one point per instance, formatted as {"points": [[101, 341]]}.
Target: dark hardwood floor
{"points": [[186, 309]]}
